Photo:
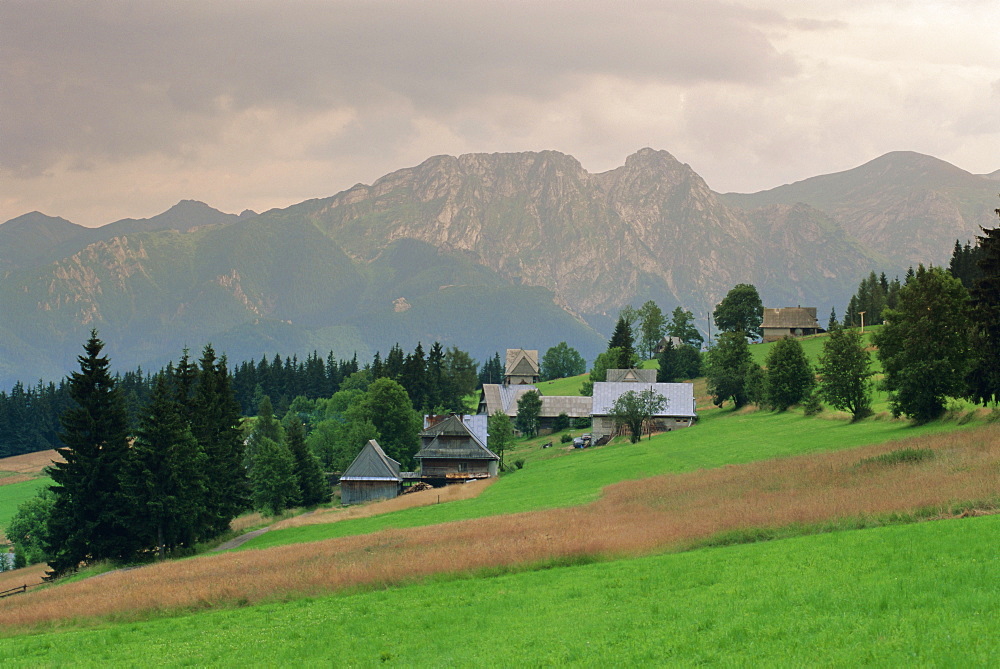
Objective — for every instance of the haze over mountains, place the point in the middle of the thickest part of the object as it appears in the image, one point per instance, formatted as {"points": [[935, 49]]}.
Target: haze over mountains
{"points": [[481, 251]]}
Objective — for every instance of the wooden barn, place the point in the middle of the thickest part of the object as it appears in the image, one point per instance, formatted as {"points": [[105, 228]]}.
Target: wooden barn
{"points": [[789, 322], [373, 475], [452, 451]]}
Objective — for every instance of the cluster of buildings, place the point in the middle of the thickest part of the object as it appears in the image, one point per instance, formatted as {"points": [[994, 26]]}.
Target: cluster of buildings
{"points": [[455, 448]]}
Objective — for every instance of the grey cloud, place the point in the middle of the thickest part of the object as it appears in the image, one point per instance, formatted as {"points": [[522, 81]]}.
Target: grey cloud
{"points": [[114, 80]]}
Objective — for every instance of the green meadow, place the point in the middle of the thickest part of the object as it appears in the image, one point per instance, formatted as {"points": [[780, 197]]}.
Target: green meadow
{"points": [[913, 595], [13, 494], [561, 476]]}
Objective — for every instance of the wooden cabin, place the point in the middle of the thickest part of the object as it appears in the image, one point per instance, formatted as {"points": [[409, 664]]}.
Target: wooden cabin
{"points": [[452, 451], [372, 476], [789, 322]]}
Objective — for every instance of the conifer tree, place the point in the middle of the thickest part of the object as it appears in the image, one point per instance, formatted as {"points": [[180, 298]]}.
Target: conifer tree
{"points": [[312, 483], [165, 477], [88, 522], [621, 339], [215, 423], [272, 477], [984, 378]]}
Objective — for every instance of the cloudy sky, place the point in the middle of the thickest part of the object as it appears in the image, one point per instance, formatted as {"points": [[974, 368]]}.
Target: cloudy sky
{"points": [[120, 109]]}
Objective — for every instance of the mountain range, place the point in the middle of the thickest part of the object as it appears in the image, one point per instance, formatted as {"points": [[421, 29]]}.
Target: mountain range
{"points": [[480, 251]]}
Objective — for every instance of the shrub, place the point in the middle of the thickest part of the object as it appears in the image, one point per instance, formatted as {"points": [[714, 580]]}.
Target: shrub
{"points": [[519, 464], [581, 423], [561, 422], [565, 438], [902, 456]]}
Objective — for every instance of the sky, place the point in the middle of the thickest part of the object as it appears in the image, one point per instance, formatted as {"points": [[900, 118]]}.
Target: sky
{"points": [[120, 109]]}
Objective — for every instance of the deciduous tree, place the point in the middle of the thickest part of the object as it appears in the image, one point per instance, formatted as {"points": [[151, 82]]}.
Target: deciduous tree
{"points": [[652, 326], [682, 326], [529, 406], [633, 408], [727, 365], [741, 310], [500, 432], [845, 373], [562, 361], [789, 378]]}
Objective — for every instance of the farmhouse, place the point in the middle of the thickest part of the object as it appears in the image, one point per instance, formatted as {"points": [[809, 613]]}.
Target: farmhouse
{"points": [[679, 411], [521, 368], [662, 344], [373, 475], [454, 449], [789, 322]]}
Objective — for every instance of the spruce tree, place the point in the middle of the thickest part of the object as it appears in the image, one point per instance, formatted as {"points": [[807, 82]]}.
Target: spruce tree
{"points": [[667, 371], [88, 522], [215, 423], [984, 378], [272, 477], [312, 484], [621, 339], [165, 477]]}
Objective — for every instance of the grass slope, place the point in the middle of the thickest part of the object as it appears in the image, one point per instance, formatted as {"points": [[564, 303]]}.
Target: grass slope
{"points": [[568, 478], [841, 599], [11, 496]]}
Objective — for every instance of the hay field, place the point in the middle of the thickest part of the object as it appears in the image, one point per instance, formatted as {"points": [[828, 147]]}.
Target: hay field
{"points": [[809, 493]]}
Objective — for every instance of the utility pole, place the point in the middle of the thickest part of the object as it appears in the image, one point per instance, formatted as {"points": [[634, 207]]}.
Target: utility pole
{"points": [[862, 314]]}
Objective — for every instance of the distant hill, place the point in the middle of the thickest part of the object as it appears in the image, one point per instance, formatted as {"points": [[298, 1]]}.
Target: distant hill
{"points": [[480, 251]]}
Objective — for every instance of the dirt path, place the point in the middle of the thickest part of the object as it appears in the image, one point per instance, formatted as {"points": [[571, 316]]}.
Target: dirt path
{"points": [[240, 540]]}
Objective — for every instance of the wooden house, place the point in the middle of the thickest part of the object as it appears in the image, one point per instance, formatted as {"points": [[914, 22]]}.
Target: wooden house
{"points": [[452, 450], [789, 322], [678, 413], [521, 368], [495, 397], [373, 475], [662, 344]]}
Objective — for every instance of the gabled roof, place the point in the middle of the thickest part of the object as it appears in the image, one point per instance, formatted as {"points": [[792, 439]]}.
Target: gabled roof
{"points": [[452, 438], [790, 317], [503, 398], [372, 464], [572, 405], [680, 396], [634, 375], [521, 362]]}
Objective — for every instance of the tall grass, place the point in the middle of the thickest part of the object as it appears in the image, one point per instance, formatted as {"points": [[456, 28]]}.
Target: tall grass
{"points": [[632, 518], [561, 477]]}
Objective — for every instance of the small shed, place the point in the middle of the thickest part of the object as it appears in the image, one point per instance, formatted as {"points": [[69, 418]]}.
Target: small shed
{"points": [[452, 451], [679, 412], [373, 475], [789, 322]]}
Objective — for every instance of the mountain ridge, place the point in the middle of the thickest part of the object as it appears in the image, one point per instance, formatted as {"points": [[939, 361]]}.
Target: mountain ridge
{"points": [[485, 251]]}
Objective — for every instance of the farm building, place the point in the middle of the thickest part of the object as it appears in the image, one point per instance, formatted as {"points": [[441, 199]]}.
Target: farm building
{"points": [[679, 411], [662, 344], [495, 397], [521, 367], [451, 450], [789, 322], [373, 475], [631, 375]]}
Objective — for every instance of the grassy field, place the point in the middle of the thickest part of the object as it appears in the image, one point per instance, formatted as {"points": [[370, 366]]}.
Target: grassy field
{"points": [[923, 594], [12, 495], [558, 477]]}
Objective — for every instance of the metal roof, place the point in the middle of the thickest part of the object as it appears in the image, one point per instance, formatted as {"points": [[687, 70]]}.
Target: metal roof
{"points": [[503, 398], [680, 396], [638, 375], [372, 464], [574, 406], [515, 359]]}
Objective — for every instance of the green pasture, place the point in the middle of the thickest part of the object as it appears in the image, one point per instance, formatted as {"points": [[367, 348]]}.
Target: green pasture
{"points": [[559, 477], [13, 494], [812, 346], [925, 594]]}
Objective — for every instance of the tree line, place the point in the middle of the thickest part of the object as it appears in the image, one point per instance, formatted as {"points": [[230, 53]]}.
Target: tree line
{"points": [[938, 340]]}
